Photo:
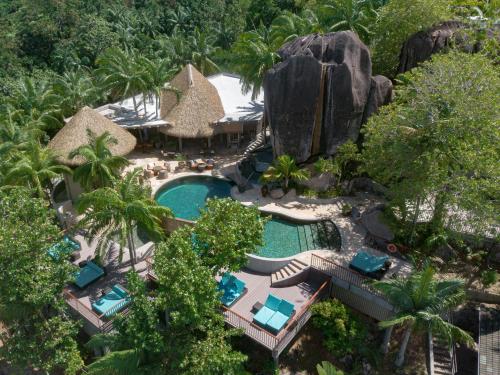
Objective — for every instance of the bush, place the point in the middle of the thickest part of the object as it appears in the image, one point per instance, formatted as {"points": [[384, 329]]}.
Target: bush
{"points": [[342, 331], [489, 277], [346, 209]]}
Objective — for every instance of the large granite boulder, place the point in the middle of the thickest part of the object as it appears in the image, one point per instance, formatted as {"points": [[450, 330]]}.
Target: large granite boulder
{"points": [[423, 44], [321, 93]]}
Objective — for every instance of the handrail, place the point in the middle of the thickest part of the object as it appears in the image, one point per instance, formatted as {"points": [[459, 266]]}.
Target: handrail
{"points": [[349, 276]]}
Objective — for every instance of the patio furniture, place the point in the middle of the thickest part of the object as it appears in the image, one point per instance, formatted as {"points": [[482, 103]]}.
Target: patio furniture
{"points": [[150, 166], [257, 306], [112, 302], [157, 169], [370, 265], [210, 164], [267, 311], [88, 274], [233, 289], [192, 164], [201, 167], [148, 173], [280, 317]]}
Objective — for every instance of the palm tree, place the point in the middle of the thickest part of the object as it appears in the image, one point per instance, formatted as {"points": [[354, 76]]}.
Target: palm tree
{"points": [[14, 138], [177, 19], [202, 50], [253, 55], [352, 15], [75, 89], [36, 167], [35, 102], [289, 26], [101, 167], [421, 301], [112, 213], [121, 74], [326, 368], [285, 169]]}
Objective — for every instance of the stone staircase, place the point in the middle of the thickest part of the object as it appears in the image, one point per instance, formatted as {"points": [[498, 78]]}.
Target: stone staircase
{"points": [[289, 274], [259, 141], [443, 360]]}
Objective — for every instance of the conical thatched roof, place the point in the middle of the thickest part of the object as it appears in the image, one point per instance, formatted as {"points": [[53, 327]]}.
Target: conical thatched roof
{"points": [[191, 111], [75, 134]]}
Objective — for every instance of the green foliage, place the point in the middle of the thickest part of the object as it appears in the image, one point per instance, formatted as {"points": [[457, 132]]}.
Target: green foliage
{"points": [[112, 213], [100, 167], [397, 21], [488, 278], [326, 368], [347, 154], [343, 333], [421, 300], [284, 170], [225, 232], [437, 143], [35, 335]]}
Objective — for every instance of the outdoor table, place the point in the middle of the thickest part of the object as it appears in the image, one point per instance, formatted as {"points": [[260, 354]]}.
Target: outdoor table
{"points": [[162, 174], [257, 306]]}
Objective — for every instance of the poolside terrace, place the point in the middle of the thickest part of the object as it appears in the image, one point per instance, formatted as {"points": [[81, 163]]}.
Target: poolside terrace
{"points": [[80, 300]]}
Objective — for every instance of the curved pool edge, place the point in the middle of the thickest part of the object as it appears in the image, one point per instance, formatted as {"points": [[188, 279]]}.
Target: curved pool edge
{"points": [[181, 175]]}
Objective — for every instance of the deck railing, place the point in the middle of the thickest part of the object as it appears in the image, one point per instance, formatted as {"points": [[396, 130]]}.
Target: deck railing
{"points": [[345, 274], [276, 343], [101, 322], [149, 267]]}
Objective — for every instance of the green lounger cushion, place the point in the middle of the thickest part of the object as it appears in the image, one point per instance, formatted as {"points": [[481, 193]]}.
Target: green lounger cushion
{"points": [[367, 263], [268, 310], [280, 317], [88, 274], [112, 302]]}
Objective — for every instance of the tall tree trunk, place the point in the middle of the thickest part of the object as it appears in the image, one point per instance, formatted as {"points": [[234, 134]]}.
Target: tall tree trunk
{"points": [[414, 222], [439, 211], [131, 247], [144, 103], [402, 350], [135, 105], [384, 348]]}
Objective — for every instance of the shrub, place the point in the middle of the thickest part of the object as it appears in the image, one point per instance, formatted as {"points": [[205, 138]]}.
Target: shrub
{"points": [[489, 277], [342, 330]]}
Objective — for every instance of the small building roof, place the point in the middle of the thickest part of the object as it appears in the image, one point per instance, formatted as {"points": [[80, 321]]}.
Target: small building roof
{"points": [[238, 106], [191, 111], [74, 134]]}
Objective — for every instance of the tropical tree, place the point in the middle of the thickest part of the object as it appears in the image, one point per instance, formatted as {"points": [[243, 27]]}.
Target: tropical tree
{"points": [[284, 170], [14, 138], [439, 139], [203, 48], [35, 101], [121, 74], [254, 54], [35, 168], [100, 168], [36, 330], [397, 21], [75, 89], [288, 26], [354, 15], [113, 213], [421, 301], [346, 154], [326, 368], [225, 233]]}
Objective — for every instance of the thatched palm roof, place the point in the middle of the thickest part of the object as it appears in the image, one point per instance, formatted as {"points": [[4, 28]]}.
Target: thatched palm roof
{"points": [[75, 134], [191, 112]]}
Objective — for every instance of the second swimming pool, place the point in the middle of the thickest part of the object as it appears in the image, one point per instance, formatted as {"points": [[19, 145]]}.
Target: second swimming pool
{"points": [[282, 237]]}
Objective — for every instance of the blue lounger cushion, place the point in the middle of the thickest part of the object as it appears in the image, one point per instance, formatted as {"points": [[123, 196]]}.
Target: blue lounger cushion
{"points": [[268, 310], [112, 302], [66, 246], [233, 290], [88, 274], [367, 263], [279, 319]]}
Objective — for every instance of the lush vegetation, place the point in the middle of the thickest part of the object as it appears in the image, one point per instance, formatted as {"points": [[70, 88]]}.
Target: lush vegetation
{"points": [[284, 170]]}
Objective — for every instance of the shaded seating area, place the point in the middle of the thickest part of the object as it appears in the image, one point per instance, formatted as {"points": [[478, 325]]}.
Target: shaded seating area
{"points": [[112, 302], [274, 314], [88, 274], [370, 265], [232, 288], [66, 246]]}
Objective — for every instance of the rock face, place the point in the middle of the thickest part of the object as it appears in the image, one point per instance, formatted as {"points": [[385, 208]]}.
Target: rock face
{"points": [[421, 45], [318, 97]]}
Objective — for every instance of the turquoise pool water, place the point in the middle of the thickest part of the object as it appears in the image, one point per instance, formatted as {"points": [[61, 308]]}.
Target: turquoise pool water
{"points": [[282, 238]]}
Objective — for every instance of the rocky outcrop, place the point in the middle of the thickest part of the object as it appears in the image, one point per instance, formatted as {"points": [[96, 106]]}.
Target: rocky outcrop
{"points": [[421, 45], [321, 93]]}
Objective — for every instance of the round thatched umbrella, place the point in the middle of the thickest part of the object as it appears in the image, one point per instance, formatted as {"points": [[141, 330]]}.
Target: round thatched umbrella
{"points": [[75, 134], [193, 109]]}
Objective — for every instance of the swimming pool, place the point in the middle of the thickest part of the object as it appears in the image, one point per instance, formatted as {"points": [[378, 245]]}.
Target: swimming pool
{"points": [[282, 237]]}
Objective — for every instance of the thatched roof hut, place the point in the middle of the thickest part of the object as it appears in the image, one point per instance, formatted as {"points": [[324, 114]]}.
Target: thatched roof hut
{"points": [[191, 112], [74, 134]]}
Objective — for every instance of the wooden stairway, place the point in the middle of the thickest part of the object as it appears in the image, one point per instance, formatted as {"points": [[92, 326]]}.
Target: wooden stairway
{"points": [[443, 360], [288, 273]]}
